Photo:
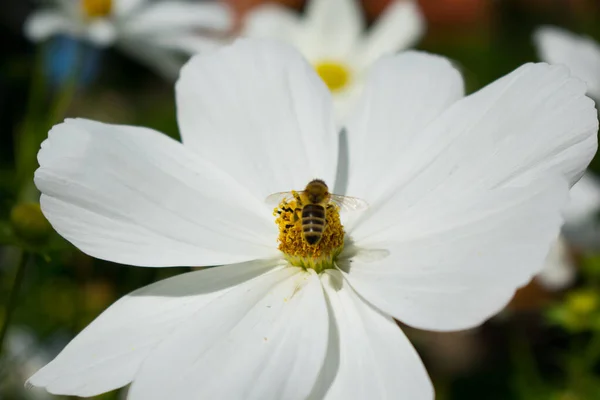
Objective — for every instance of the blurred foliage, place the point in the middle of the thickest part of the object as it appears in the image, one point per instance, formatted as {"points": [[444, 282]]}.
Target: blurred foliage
{"points": [[539, 353]]}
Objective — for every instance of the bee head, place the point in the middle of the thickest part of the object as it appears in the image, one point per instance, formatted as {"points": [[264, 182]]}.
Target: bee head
{"points": [[317, 191]]}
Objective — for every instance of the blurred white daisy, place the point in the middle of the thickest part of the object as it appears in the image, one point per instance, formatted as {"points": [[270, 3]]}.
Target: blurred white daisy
{"points": [[582, 56], [332, 35], [157, 33], [465, 197], [580, 53]]}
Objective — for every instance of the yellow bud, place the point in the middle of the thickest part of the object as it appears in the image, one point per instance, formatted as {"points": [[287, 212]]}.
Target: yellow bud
{"points": [[29, 224], [582, 302], [97, 8]]}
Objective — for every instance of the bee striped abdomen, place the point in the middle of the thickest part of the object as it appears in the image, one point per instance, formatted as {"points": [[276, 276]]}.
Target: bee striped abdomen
{"points": [[313, 222]]}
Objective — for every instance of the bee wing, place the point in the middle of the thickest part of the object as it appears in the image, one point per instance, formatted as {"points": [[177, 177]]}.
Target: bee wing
{"points": [[347, 203], [276, 198]]}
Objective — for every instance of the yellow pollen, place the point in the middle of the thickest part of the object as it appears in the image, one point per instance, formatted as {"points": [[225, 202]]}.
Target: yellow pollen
{"points": [[292, 243], [335, 75], [96, 8]]}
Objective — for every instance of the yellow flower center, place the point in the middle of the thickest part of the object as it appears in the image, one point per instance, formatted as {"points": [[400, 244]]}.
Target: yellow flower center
{"points": [[335, 75], [292, 240], [96, 8]]}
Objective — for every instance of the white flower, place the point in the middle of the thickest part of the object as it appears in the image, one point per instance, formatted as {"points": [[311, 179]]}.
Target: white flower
{"points": [[580, 53], [465, 197], [157, 33], [582, 56], [332, 35]]}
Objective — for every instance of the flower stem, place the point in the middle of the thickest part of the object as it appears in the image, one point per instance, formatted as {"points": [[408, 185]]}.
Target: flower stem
{"points": [[13, 296], [27, 140], [592, 352]]}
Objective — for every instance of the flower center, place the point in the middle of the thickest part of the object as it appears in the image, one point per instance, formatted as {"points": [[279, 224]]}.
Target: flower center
{"points": [[335, 75], [306, 239], [96, 8]]}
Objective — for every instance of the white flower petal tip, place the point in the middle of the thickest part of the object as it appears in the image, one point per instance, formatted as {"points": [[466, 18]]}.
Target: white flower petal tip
{"points": [[580, 53], [568, 117], [332, 28], [279, 104], [171, 17], [123, 8], [361, 335], [134, 196], [400, 27], [271, 21], [109, 352], [43, 24]]}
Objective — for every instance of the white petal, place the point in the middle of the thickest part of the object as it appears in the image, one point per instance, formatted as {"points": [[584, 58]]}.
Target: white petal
{"points": [[533, 122], [123, 8], [72, 8], [399, 28], [332, 28], [186, 43], [581, 54], [165, 16], [403, 94], [272, 21], [264, 340], [257, 110], [132, 195], [45, 23], [373, 359], [456, 261], [107, 354], [102, 32], [584, 200], [470, 217], [559, 271]]}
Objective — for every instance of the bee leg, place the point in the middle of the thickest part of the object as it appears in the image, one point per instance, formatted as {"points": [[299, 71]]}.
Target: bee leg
{"points": [[297, 211], [298, 199]]}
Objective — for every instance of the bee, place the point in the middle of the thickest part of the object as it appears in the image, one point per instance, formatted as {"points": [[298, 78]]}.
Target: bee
{"points": [[313, 203]]}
